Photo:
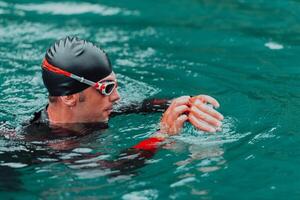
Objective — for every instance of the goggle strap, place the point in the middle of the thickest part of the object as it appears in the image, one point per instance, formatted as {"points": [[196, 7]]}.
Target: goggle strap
{"points": [[83, 80], [56, 70]]}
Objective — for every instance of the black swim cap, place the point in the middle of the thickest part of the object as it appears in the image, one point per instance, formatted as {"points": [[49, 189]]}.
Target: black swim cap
{"points": [[76, 56]]}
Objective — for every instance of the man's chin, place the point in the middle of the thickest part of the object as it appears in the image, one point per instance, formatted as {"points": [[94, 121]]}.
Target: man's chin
{"points": [[104, 119]]}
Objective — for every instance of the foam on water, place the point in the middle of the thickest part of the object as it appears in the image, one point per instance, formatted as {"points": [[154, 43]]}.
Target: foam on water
{"points": [[274, 45], [64, 8]]}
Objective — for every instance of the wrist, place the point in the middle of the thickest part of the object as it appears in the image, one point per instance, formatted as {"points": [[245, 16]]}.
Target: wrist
{"points": [[160, 135]]}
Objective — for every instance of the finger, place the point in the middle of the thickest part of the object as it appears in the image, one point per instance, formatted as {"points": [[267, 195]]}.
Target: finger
{"points": [[177, 126], [176, 112], [209, 110], [206, 99], [183, 100], [180, 121], [205, 117], [171, 115], [201, 125]]}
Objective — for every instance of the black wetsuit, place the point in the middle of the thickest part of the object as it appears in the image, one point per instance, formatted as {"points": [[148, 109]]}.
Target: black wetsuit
{"points": [[39, 138], [39, 127]]}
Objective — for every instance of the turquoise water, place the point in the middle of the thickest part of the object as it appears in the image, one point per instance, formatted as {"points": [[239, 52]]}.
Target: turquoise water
{"points": [[243, 53]]}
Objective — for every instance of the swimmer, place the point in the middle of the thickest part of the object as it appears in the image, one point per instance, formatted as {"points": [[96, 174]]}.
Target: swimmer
{"points": [[83, 89]]}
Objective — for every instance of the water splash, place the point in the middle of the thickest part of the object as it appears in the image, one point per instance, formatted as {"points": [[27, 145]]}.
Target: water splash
{"points": [[195, 137], [133, 90]]}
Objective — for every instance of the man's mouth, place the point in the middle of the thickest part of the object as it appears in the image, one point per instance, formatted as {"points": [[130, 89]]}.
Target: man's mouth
{"points": [[109, 109]]}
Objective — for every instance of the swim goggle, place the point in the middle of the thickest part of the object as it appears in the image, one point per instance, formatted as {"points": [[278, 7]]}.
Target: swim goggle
{"points": [[105, 87]]}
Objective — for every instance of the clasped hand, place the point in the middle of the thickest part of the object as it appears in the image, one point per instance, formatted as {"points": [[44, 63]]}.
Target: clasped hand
{"points": [[198, 110]]}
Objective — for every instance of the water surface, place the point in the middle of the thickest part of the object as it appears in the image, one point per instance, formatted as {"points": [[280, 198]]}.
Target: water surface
{"points": [[245, 54]]}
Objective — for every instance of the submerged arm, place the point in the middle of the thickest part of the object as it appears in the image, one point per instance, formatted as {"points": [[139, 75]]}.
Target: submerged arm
{"points": [[135, 157]]}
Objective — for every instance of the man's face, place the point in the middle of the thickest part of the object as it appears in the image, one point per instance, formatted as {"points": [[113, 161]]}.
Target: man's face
{"points": [[94, 106]]}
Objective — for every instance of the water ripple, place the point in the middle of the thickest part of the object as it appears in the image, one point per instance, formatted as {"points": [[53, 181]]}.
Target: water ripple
{"points": [[64, 8], [143, 194]]}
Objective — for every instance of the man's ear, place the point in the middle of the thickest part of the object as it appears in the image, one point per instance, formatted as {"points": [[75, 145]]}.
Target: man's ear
{"points": [[69, 100]]}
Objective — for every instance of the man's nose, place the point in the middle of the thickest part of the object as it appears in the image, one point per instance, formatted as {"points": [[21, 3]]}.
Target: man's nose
{"points": [[115, 96]]}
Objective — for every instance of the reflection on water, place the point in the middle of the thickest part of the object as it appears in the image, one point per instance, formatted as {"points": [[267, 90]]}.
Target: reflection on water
{"points": [[206, 154]]}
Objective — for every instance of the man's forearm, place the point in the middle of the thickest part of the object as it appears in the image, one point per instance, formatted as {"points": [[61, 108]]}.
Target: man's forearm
{"points": [[146, 106]]}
